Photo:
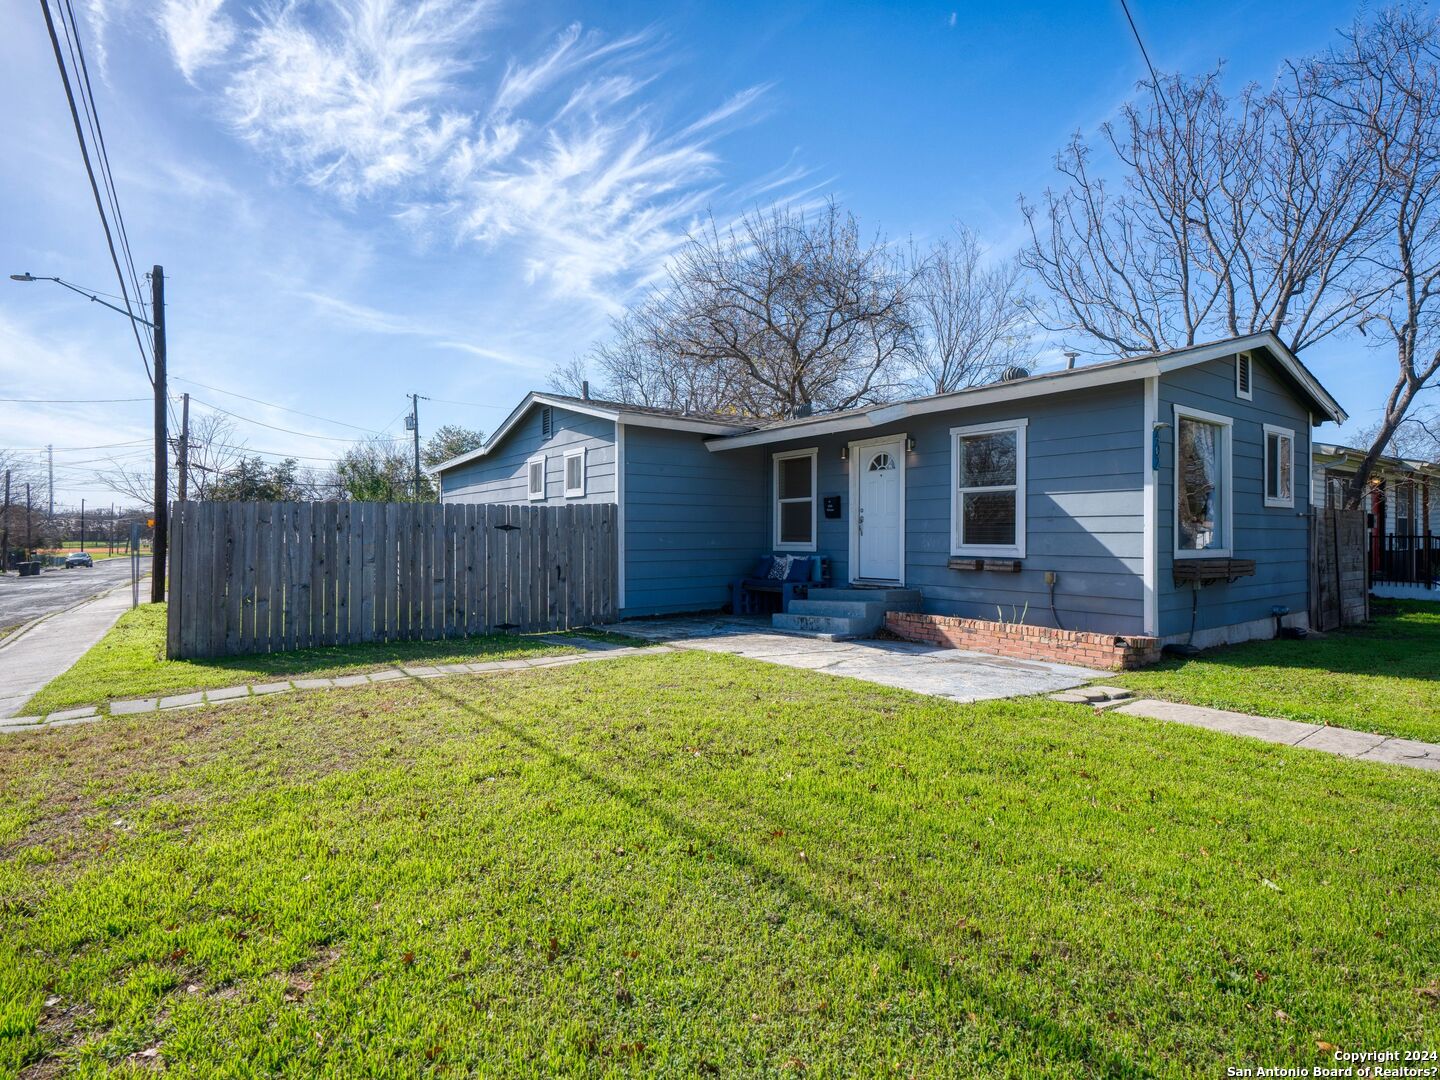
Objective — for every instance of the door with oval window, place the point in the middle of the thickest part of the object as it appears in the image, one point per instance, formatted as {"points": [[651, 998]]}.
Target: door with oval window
{"points": [[879, 533]]}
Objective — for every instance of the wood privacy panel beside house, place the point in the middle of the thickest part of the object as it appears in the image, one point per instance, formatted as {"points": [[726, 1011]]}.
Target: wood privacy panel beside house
{"points": [[273, 577]]}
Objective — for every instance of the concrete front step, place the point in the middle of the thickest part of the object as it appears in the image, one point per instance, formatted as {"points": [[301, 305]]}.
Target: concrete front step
{"points": [[849, 609], [835, 628], [896, 599]]}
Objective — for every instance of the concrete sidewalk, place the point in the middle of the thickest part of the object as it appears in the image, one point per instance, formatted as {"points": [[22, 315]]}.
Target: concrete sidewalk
{"points": [[51, 646], [1342, 742]]}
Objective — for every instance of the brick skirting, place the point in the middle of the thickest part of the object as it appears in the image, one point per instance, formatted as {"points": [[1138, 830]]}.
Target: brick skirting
{"points": [[1079, 647]]}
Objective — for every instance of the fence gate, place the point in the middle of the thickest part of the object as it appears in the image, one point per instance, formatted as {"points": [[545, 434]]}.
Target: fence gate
{"points": [[272, 577], [1339, 585]]}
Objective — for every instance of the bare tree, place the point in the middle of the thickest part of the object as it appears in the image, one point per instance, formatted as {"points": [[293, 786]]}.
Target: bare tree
{"points": [[1233, 215], [783, 309], [215, 449], [1385, 79], [971, 320]]}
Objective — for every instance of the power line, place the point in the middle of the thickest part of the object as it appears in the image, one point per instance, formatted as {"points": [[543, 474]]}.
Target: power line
{"points": [[67, 449], [470, 404], [75, 401], [287, 431], [1124, 5], [282, 408], [87, 97], [94, 187]]}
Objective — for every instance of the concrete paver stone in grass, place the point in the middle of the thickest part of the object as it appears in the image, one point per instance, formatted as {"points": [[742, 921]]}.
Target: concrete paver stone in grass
{"points": [[226, 693], [314, 684], [271, 688], [129, 708], [178, 701], [71, 714]]}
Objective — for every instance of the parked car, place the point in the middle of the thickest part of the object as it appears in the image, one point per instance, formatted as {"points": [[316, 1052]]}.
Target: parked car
{"points": [[78, 558]]}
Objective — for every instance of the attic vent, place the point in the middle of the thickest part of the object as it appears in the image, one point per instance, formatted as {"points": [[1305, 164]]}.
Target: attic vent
{"points": [[1242, 376], [1010, 374], [547, 422]]}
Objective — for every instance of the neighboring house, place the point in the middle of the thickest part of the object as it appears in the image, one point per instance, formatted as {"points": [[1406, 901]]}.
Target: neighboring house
{"points": [[1402, 508], [1057, 498]]}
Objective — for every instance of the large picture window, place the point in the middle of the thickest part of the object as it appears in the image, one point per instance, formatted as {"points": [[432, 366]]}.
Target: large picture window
{"points": [[795, 500], [1202, 484], [1279, 466], [988, 508]]}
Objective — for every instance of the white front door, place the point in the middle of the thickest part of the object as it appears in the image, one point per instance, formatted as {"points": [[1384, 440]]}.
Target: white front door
{"points": [[878, 537]]}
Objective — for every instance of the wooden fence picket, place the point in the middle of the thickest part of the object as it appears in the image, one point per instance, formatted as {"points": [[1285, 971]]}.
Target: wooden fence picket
{"points": [[274, 577]]}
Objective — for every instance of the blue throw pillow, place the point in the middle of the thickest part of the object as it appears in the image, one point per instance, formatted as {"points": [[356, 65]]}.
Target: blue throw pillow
{"points": [[762, 568], [799, 570]]}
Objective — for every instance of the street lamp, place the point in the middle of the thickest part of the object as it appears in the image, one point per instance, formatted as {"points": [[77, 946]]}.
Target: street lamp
{"points": [[162, 508]]}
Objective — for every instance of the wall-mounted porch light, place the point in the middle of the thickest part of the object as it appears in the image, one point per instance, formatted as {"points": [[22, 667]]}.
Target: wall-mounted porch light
{"points": [[845, 453], [909, 444]]}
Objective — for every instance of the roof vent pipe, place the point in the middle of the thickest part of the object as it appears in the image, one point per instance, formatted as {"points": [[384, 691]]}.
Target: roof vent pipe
{"points": [[1010, 374], [585, 389], [1070, 358]]}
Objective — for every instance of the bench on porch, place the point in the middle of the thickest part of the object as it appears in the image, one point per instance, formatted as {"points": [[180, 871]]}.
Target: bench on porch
{"points": [[751, 595]]}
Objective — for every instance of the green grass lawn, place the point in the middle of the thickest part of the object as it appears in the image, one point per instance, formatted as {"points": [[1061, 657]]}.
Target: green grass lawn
{"points": [[130, 661], [697, 865], [1384, 677]]}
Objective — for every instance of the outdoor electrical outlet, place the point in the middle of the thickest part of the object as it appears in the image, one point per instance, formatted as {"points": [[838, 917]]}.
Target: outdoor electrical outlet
{"points": [[1049, 577]]}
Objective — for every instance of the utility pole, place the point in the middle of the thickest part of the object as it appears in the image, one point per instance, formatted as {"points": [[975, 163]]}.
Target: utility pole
{"points": [[184, 464], [5, 528], [82, 524], [51, 451], [29, 544], [162, 487], [414, 426]]}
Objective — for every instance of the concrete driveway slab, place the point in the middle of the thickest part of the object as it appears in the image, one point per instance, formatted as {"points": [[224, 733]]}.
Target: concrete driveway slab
{"points": [[925, 669]]}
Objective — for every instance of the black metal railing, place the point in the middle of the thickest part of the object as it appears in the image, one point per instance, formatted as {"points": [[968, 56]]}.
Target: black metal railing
{"points": [[1409, 560]]}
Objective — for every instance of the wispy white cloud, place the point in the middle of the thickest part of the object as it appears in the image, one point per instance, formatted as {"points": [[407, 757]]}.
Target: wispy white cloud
{"points": [[385, 103], [197, 32], [372, 320]]}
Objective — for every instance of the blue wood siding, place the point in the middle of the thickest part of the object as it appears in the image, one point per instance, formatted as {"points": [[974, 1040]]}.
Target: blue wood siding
{"points": [[694, 521], [499, 477], [1084, 507], [1277, 538]]}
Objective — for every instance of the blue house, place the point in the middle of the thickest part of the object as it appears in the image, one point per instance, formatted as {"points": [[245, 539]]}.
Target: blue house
{"points": [[1164, 496]]}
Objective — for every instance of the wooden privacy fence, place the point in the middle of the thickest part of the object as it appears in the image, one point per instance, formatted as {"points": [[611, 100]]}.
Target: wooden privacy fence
{"points": [[272, 577], [1339, 586]]}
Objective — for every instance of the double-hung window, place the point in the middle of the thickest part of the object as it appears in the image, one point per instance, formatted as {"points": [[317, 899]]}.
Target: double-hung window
{"points": [[535, 478], [575, 473], [1202, 484], [1279, 466], [795, 500], [987, 463]]}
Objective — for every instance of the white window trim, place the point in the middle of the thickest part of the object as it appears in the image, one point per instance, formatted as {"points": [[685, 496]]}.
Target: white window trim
{"points": [[1286, 433], [813, 453], [1012, 551], [1249, 358], [531, 493], [574, 493], [1227, 477]]}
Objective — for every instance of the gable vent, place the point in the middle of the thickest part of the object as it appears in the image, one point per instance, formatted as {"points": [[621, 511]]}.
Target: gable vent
{"points": [[547, 422], [1242, 375]]}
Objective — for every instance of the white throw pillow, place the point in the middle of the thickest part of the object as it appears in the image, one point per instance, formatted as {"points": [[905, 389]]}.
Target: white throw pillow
{"points": [[781, 568]]}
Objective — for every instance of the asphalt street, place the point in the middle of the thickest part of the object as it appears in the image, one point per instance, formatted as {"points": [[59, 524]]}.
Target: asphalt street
{"points": [[23, 599]]}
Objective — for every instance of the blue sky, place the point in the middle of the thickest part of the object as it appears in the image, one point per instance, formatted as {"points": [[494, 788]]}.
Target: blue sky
{"points": [[363, 198]]}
